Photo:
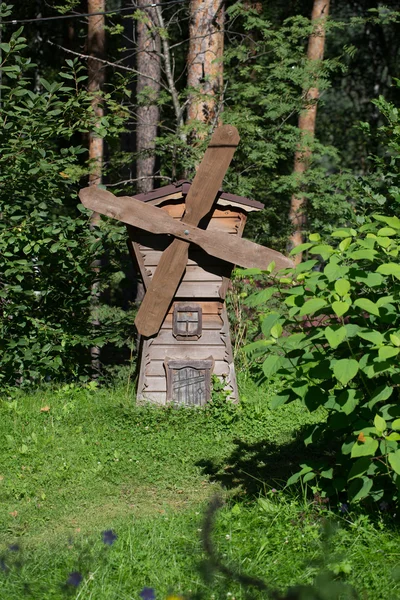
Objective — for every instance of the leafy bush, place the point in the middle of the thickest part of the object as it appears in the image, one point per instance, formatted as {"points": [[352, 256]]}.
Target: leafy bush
{"points": [[46, 247], [337, 348]]}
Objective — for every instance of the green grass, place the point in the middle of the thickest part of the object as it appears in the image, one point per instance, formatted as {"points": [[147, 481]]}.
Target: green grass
{"points": [[95, 462]]}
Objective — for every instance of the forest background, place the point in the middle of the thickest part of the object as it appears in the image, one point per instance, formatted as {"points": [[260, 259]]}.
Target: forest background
{"points": [[121, 100]]}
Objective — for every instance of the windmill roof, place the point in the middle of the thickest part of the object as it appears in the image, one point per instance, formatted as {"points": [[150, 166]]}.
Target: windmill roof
{"points": [[183, 186]]}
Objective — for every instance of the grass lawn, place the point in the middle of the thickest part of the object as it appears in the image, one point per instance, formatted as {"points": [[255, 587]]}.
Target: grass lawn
{"points": [[76, 463]]}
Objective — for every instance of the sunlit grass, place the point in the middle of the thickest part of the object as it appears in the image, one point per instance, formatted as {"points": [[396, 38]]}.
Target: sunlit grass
{"points": [[92, 462]]}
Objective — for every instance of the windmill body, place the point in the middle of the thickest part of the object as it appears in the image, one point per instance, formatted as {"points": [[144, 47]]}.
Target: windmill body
{"points": [[185, 239], [194, 341]]}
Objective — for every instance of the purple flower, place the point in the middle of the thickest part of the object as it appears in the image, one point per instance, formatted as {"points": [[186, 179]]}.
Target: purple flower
{"points": [[147, 594], [109, 537], [384, 505], [344, 508], [74, 579], [14, 548], [274, 490]]}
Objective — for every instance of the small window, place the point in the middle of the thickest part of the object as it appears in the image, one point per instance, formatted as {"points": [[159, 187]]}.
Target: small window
{"points": [[187, 323], [189, 381]]}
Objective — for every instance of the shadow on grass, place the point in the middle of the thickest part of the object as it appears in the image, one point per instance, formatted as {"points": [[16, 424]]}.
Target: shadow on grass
{"points": [[254, 467]]}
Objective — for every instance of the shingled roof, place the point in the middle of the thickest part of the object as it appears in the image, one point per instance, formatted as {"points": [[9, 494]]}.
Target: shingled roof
{"points": [[183, 186]]}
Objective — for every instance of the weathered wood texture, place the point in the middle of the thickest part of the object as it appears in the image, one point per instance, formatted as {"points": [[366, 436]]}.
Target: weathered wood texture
{"points": [[214, 342], [199, 201], [149, 218], [205, 276]]}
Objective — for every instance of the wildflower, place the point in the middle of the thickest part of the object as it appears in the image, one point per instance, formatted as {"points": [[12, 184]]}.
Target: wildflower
{"points": [[14, 548], [384, 505], [147, 594], [274, 491], [109, 537], [228, 537], [344, 508], [74, 579]]}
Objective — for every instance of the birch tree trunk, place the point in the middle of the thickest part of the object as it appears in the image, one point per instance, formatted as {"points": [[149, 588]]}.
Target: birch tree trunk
{"points": [[204, 62], [307, 121], [148, 87], [96, 76]]}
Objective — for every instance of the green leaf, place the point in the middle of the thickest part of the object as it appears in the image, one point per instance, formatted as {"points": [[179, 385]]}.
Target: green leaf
{"points": [[294, 478], [340, 308], [380, 424], [364, 254], [280, 399], [372, 336], [335, 335], [344, 244], [367, 448], [269, 321], [360, 489], [335, 271], [276, 330], [311, 306], [393, 437], [396, 424], [393, 222], [271, 365], [394, 460], [300, 248], [359, 467], [389, 269], [387, 231], [343, 233], [260, 297], [395, 339], [386, 352], [348, 400], [324, 250], [308, 477], [342, 287], [367, 305], [314, 237], [327, 474], [370, 279], [345, 370]]}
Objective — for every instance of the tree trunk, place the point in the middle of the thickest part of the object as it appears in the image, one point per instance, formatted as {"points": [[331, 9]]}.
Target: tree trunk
{"points": [[96, 76], [96, 48], [148, 87], [205, 66], [307, 120]]}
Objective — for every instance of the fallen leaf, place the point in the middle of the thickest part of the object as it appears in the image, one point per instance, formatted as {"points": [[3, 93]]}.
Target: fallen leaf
{"points": [[361, 438], [14, 513], [45, 408]]}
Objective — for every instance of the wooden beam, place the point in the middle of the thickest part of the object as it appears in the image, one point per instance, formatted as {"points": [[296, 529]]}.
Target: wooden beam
{"points": [[225, 246], [199, 201]]}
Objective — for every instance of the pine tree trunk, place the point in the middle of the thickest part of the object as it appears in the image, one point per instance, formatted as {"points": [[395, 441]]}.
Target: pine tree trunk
{"points": [[96, 76], [148, 87], [307, 122], [205, 66]]}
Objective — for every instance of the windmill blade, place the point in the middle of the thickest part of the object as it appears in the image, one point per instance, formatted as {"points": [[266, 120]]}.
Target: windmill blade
{"points": [[235, 250], [199, 201]]}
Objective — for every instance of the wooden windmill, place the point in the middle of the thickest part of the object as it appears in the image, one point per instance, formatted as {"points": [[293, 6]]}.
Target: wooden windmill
{"points": [[181, 235]]}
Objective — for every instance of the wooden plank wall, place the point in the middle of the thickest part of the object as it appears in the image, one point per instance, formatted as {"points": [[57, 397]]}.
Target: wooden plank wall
{"points": [[203, 283]]}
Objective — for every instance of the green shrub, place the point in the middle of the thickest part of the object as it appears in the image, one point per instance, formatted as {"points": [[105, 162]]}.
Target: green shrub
{"points": [[46, 246], [338, 347]]}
